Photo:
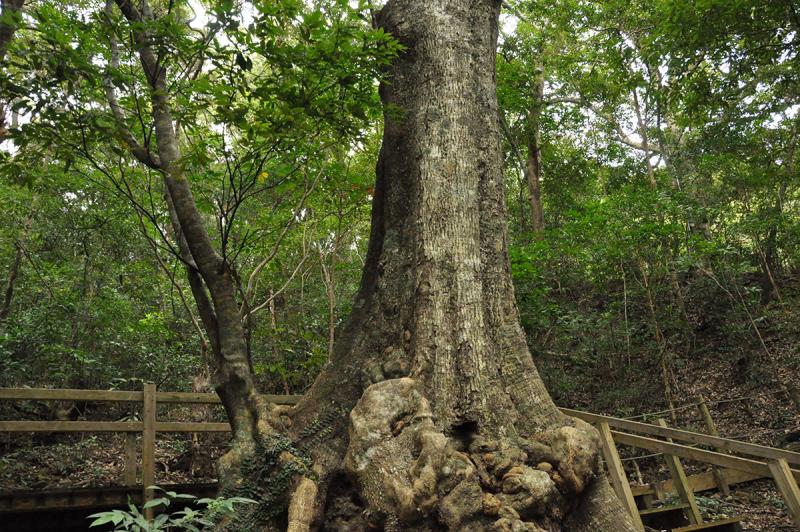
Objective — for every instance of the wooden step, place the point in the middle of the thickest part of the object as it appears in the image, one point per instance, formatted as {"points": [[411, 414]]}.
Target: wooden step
{"points": [[665, 517], [733, 524], [644, 496]]}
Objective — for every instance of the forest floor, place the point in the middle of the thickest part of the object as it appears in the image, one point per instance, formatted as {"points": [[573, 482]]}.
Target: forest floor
{"points": [[97, 461], [42, 460]]}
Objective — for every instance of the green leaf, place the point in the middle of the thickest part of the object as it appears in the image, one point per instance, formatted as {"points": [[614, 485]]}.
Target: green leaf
{"points": [[156, 502], [104, 518]]}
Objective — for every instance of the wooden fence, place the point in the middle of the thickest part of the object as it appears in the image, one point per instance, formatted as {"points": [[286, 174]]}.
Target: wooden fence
{"points": [[729, 455], [149, 397]]}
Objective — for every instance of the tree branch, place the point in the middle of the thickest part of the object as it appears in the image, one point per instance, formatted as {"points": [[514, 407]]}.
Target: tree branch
{"points": [[251, 280], [138, 150]]}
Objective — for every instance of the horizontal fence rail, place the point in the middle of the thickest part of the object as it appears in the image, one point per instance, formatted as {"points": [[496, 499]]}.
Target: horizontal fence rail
{"points": [[120, 396], [717, 442]]}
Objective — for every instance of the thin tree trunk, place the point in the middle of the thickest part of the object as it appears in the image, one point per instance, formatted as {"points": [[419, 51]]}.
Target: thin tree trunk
{"points": [[651, 176], [273, 315], [210, 277], [769, 286], [16, 262], [10, 18], [664, 361], [625, 314], [641, 126], [328, 280], [534, 162], [769, 255], [11, 280]]}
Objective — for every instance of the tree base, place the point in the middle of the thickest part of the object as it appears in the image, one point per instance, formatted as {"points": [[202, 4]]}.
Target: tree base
{"points": [[411, 476]]}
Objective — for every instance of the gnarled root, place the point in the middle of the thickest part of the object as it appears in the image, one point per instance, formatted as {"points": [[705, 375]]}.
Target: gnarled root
{"points": [[390, 424], [413, 477], [264, 464], [302, 507]]}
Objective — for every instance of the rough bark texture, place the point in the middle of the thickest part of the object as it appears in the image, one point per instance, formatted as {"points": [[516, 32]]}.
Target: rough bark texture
{"points": [[450, 425]]}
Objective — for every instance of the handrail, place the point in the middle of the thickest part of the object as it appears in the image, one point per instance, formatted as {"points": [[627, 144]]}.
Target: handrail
{"points": [[121, 396], [110, 426], [771, 463], [71, 426], [719, 443], [66, 394], [738, 463]]}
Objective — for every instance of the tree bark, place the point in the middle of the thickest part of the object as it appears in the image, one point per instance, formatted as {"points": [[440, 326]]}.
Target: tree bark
{"points": [[13, 271], [10, 10], [16, 262], [329, 280], [10, 17]]}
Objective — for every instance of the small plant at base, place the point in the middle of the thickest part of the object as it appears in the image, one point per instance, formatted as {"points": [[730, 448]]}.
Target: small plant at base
{"points": [[711, 508], [188, 518]]}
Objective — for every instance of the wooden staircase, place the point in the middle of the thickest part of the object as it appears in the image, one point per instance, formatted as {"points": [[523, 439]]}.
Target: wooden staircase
{"points": [[678, 517], [649, 509]]}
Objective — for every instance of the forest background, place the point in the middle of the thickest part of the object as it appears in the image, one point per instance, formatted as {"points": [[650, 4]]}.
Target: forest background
{"points": [[651, 176]]}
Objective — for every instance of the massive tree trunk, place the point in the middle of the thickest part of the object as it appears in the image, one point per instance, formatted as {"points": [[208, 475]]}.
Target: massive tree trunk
{"points": [[449, 424], [430, 414]]}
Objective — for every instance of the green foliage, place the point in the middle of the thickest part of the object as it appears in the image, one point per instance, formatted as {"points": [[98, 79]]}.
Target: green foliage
{"points": [[189, 519], [643, 263], [277, 105]]}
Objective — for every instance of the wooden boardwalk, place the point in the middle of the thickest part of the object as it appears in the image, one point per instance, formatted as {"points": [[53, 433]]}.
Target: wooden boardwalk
{"points": [[733, 461]]}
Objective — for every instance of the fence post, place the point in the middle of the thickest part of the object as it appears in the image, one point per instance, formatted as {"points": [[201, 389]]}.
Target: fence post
{"points": [[148, 445], [719, 474], [130, 459], [617, 473], [787, 485], [681, 483]]}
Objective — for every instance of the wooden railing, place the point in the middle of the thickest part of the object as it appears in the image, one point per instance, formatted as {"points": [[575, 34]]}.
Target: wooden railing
{"points": [[760, 461], [149, 397]]}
